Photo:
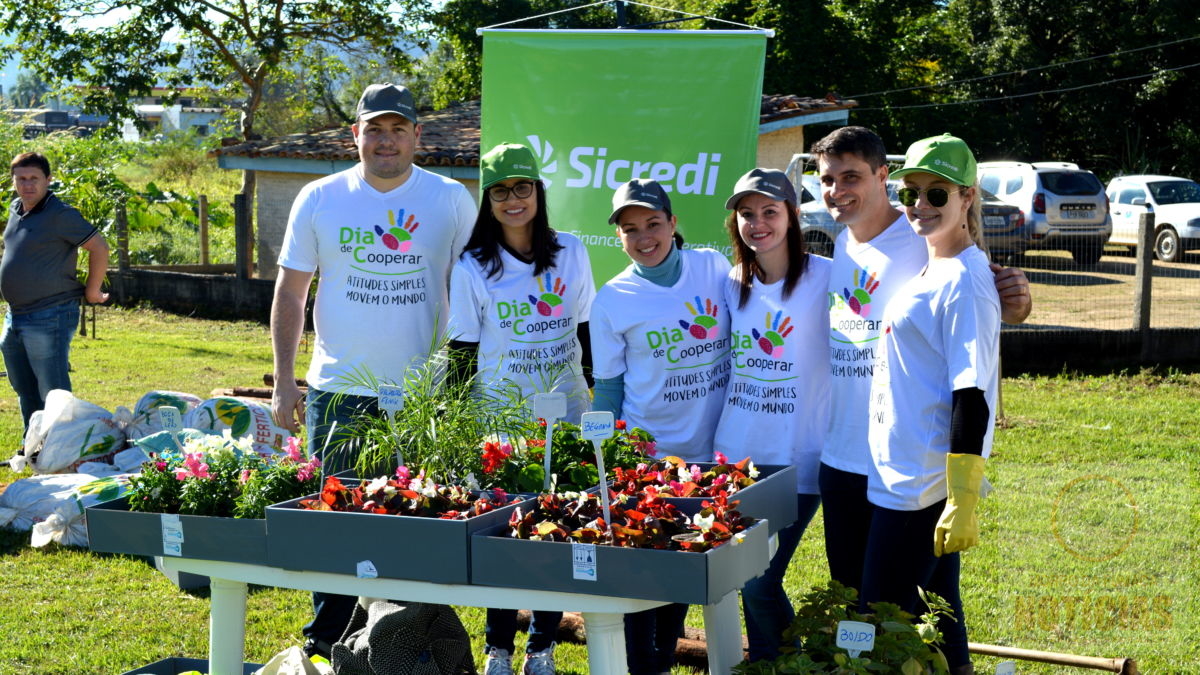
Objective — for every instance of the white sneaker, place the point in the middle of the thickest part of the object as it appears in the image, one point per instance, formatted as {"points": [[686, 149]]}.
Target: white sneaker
{"points": [[539, 663], [499, 662]]}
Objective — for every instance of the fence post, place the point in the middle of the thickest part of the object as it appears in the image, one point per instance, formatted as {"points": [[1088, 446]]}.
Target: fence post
{"points": [[241, 236], [204, 229], [1142, 282]]}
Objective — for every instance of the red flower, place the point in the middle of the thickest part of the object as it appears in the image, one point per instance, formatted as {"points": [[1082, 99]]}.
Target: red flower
{"points": [[620, 424]]}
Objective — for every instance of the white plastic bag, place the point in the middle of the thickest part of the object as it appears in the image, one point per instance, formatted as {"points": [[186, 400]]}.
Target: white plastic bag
{"points": [[292, 661], [68, 432], [52, 506], [145, 413], [242, 418]]}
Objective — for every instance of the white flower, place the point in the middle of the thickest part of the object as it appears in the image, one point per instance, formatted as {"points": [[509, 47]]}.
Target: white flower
{"points": [[738, 538], [702, 521], [683, 475], [753, 470], [471, 482], [376, 485]]}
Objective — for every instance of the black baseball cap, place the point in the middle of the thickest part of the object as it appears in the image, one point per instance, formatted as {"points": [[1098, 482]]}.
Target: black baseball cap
{"points": [[385, 99], [770, 183], [639, 192]]}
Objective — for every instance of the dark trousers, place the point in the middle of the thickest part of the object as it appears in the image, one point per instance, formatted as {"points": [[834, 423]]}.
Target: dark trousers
{"points": [[765, 604], [650, 638], [900, 559], [847, 515], [331, 613], [501, 629]]}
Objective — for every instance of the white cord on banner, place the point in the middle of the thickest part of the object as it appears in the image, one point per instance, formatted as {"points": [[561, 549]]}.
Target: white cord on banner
{"points": [[768, 31]]}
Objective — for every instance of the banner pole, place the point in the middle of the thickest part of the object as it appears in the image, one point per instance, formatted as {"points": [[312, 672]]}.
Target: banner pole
{"points": [[620, 13]]}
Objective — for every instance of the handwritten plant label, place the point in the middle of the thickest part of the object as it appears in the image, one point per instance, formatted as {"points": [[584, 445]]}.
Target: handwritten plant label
{"points": [[391, 399], [583, 561], [596, 426], [1006, 668], [172, 532], [168, 416], [551, 407], [855, 637], [366, 570]]}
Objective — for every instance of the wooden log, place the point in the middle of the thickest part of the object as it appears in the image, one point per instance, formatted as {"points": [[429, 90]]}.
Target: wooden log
{"points": [[1123, 666]]}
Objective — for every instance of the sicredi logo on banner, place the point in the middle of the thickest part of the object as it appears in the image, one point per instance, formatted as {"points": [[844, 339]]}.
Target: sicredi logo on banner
{"points": [[592, 167]]}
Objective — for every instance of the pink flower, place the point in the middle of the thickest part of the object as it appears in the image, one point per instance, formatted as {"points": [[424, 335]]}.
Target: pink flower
{"points": [[308, 469], [650, 448], [293, 449], [720, 457], [193, 467], [244, 477], [696, 474]]}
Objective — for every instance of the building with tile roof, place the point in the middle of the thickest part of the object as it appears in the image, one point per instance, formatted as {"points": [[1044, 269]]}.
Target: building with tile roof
{"points": [[450, 146]]}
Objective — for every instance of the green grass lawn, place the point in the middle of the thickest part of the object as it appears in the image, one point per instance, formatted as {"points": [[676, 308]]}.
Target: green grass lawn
{"points": [[1088, 542]]}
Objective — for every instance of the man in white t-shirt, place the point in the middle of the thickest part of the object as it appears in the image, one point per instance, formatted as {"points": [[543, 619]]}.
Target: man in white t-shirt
{"points": [[876, 254], [384, 235]]}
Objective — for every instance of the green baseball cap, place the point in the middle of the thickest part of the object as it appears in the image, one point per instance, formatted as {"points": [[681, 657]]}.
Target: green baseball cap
{"points": [[946, 156], [507, 160]]}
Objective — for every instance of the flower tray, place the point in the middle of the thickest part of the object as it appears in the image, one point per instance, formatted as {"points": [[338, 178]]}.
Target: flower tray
{"points": [[772, 497], [646, 574], [398, 547], [176, 665], [113, 528]]}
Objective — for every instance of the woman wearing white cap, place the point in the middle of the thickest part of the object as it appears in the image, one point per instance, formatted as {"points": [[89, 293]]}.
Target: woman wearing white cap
{"points": [[660, 341], [520, 296], [935, 387], [777, 404]]}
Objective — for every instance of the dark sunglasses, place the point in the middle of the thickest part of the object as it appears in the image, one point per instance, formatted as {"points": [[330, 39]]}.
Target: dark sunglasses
{"points": [[935, 196], [499, 193]]}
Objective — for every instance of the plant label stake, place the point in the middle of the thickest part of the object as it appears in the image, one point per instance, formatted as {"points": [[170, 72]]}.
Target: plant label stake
{"points": [[595, 427], [1006, 668], [391, 402], [168, 416], [855, 637], [551, 407]]}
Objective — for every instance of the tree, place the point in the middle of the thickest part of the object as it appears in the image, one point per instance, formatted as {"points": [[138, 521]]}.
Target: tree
{"points": [[29, 90], [119, 50]]}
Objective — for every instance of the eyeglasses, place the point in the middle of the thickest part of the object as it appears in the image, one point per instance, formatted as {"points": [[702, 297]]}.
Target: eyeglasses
{"points": [[935, 196], [499, 193]]}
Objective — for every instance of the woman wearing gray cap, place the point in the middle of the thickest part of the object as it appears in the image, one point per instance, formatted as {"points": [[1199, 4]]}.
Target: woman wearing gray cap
{"points": [[777, 404], [660, 354]]}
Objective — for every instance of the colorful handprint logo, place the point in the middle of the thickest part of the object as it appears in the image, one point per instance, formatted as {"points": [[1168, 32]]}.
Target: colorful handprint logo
{"points": [[549, 301], [398, 238], [859, 299], [703, 325], [771, 340]]}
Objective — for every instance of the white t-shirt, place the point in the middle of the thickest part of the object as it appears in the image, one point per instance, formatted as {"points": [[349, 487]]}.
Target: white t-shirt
{"points": [[864, 278], [526, 325], [671, 344], [942, 335], [384, 260], [777, 404]]}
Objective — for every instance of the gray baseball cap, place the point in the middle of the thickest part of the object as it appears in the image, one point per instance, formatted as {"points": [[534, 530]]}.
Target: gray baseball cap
{"points": [[384, 99], [770, 183], [639, 192]]}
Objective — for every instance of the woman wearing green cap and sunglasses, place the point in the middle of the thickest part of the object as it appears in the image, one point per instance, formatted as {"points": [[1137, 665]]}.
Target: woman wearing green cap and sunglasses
{"points": [[933, 396], [520, 296]]}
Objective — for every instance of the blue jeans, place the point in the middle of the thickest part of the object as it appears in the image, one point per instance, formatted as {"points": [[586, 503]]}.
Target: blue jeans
{"points": [[651, 636], [765, 604], [900, 558], [847, 514], [36, 350], [331, 613], [501, 629]]}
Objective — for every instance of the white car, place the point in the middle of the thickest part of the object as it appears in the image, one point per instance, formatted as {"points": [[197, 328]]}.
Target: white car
{"points": [[1175, 203]]}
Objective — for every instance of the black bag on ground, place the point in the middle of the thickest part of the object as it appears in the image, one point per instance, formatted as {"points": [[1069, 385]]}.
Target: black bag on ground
{"points": [[389, 638]]}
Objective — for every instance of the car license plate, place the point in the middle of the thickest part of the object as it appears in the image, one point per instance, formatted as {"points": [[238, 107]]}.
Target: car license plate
{"points": [[1079, 215], [994, 221]]}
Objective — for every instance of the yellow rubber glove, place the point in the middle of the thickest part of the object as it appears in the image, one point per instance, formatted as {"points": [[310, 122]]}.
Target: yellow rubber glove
{"points": [[958, 529]]}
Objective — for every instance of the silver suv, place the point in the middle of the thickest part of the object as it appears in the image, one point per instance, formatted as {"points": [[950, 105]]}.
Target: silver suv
{"points": [[1065, 207]]}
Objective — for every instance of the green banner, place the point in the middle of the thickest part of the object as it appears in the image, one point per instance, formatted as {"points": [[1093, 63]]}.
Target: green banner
{"points": [[599, 108]]}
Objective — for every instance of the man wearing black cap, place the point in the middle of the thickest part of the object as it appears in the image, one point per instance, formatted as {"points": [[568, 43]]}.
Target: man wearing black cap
{"points": [[384, 235]]}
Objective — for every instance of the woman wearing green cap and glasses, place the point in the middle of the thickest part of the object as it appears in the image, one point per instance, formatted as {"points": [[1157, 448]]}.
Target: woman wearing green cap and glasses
{"points": [[777, 405], [935, 387], [520, 296], [660, 334]]}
